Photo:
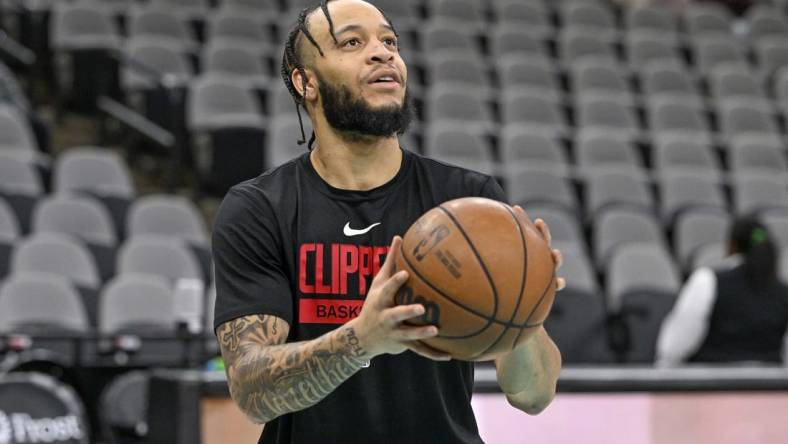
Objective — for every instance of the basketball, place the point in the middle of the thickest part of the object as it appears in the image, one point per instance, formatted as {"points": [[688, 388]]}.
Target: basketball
{"points": [[484, 273]]}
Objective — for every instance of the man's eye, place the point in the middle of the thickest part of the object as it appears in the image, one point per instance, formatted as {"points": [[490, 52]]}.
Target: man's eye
{"points": [[391, 42], [352, 42]]}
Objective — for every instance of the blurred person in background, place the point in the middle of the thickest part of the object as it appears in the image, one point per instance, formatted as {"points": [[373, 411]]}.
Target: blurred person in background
{"points": [[737, 312]]}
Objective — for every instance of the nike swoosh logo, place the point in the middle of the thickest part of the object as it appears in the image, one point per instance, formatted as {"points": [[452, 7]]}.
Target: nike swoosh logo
{"points": [[349, 232]]}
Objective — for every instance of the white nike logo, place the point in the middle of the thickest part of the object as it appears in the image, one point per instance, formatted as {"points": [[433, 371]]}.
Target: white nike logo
{"points": [[349, 232]]}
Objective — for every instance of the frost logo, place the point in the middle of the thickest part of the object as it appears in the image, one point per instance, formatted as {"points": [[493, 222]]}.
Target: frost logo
{"points": [[5, 429]]}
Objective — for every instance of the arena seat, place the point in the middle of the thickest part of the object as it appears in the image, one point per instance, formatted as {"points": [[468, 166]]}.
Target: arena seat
{"points": [[681, 190], [617, 227], [696, 228]]}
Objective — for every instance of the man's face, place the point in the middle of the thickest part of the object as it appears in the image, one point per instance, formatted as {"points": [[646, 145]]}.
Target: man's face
{"points": [[362, 79]]}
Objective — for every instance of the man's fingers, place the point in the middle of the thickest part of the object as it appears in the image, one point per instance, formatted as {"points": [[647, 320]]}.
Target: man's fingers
{"points": [[521, 210], [541, 225], [390, 286], [425, 350], [403, 312], [558, 258], [560, 283], [409, 333]]}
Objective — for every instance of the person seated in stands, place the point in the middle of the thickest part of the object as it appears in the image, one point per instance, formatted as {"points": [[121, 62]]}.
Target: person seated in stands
{"points": [[735, 313]]}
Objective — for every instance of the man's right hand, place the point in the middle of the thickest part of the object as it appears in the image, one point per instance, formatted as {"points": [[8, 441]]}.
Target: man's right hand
{"points": [[380, 326]]}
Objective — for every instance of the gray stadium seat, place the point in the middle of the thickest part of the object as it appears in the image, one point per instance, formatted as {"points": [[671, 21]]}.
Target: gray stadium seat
{"points": [[753, 154], [673, 117], [732, 82], [577, 268], [218, 102], [31, 301], [608, 115], [188, 9], [18, 176], [707, 18], [577, 325], [694, 229], [739, 117], [9, 225], [766, 21], [158, 255], [711, 51], [565, 229], [437, 36], [645, 49], [16, 135], [280, 102], [460, 104], [710, 255], [588, 16], [241, 30], [450, 67], [619, 226], [521, 145], [532, 17], [92, 169], [530, 73], [577, 44], [11, 91], [642, 287], [653, 19], [684, 155], [516, 40], [536, 185], [617, 187], [468, 12], [753, 193], [238, 62], [163, 59], [78, 216], [594, 151], [58, 254], [683, 190], [282, 140], [539, 112], [667, 81], [167, 215], [772, 54], [599, 77], [80, 25], [455, 143], [164, 25], [137, 302]]}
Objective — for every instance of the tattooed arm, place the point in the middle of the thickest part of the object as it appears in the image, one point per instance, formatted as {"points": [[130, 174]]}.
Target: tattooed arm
{"points": [[269, 378]]}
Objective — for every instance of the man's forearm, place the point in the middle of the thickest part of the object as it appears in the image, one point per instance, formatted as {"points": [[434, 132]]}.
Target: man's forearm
{"points": [[267, 381], [528, 374]]}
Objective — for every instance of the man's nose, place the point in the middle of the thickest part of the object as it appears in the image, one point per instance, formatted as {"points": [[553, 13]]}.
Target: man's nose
{"points": [[380, 53]]}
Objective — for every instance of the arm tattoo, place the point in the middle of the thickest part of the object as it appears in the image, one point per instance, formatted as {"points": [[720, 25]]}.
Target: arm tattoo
{"points": [[269, 378]]}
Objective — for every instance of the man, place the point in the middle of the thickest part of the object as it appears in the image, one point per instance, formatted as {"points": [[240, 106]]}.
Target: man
{"points": [[296, 250]]}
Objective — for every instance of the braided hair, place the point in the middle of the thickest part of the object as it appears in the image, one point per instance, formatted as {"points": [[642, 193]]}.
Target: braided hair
{"points": [[291, 58]]}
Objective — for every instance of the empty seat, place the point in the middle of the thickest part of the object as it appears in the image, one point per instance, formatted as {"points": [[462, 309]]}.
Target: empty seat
{"points": [[695, 229], [238, 62], [241, 31], [163, 25], [738, 118], [516, 40], [591, 77], [454, 143], [753, 154], [80, 25], [18, 176], [529, 73], [532, 17], [642, 287], [32, 302], [59, 254], [600, 151], [732, 82], [157, 255], [772, 54], [707, 18], [668, 81], [565, 229], [16, 135], [618, 226], [535, 185], [766, 21], [453, 68], [282, 140], [617, 187], [653, 19], [459, 104], [9, 225], [437, 36], [137, 302], [607, 115], [588, 17], [577, 44], [468, 12], [753, 193], [521, 145], [82, 217], [540, 113], [645, 49], [167, 215], [96, 170], [710, 255], [684, 190], [684, 155], [672, 117], [160, 59], [711, 51], [194, 10]]}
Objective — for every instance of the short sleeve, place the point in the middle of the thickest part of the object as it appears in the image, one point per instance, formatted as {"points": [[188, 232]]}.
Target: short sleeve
{"points": [[249, 267], [492, 190]]}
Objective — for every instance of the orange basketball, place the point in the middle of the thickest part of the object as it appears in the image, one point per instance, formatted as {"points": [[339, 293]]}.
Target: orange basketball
{"points": [[484, 274]]}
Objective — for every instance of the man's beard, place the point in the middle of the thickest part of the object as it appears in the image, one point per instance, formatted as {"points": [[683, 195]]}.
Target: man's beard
{"points": [[354, 117]]}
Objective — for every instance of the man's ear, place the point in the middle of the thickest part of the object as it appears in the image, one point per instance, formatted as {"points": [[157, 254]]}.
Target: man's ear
{"points": [[310, 93]]}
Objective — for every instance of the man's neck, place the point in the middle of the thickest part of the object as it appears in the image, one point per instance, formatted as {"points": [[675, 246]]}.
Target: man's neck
{"points": [[355, 164]]}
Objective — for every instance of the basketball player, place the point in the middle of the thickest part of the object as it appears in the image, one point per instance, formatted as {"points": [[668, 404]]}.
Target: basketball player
{"points": [[296, 250]]}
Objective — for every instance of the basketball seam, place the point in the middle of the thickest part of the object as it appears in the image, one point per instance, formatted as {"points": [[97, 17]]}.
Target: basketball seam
{"points": [[541, 299], [522, 282]]}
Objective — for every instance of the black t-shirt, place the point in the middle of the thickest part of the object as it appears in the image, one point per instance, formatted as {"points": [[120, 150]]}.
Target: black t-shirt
{"points": [[288, 244]]}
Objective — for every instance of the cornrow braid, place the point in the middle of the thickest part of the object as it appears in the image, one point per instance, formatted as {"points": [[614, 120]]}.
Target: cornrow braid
{"points": [[291, 59]]}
